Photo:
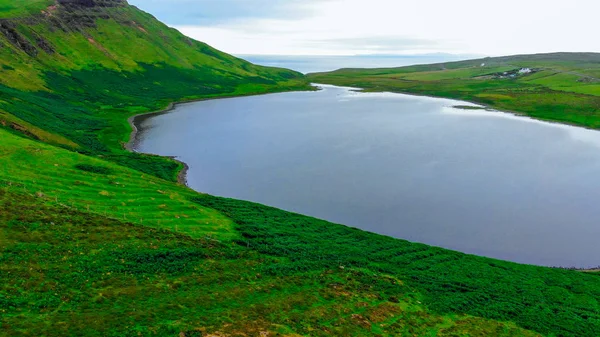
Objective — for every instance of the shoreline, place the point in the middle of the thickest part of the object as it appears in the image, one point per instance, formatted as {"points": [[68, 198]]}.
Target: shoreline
{"points": [[486, 107], [130, 145], [481, 106], [134, 121]]}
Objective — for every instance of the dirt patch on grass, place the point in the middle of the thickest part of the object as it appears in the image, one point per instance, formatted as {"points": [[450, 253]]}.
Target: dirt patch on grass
{"points": [[139, 27]]}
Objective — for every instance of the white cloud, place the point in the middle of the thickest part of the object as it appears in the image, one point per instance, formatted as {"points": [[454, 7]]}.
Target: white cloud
{"points": [[387, 26]]}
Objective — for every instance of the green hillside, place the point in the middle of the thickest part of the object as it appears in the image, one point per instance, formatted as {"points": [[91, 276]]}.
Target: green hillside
{"points": [[98, 241], [562, 87], [73, 71]]}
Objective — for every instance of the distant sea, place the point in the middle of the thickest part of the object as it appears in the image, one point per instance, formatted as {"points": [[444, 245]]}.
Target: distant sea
{"points": [[310, 64]]}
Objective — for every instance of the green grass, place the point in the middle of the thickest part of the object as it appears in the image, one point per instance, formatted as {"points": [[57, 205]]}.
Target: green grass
{"points": [[12, 8], [89, 184], [564, 87], [65, 273]]}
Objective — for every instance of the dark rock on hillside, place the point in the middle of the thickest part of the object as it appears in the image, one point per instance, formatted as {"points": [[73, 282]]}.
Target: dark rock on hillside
{"points": [[79, 14], [9, 30], [92, 3], [44, 45], [71, 16]]}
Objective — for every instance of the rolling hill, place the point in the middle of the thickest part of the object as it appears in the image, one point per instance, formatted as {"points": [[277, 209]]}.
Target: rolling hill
{"points": [[561, 87], [98, 241]]}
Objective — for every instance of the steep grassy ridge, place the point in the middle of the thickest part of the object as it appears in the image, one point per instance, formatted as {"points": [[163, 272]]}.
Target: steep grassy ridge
{"points": [[562, 87], [73, 71]]}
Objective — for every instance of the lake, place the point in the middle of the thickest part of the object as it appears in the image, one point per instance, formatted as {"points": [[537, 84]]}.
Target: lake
{"points": [[416, 168]]}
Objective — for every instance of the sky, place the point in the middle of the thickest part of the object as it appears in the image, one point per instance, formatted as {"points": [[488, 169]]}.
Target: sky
{"points": [[365, 27]]}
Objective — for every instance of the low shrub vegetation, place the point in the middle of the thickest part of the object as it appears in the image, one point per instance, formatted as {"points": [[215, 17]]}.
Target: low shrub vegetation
{"points": [[94, 169]]}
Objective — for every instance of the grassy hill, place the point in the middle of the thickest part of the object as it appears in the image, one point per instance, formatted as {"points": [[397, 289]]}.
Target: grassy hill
{"points": [[97, 241], [72, 71], [562, 87]]}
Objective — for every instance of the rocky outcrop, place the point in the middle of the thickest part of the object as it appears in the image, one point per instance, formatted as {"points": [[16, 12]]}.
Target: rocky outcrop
{"points": [[66, 15], [8, 28], [78, 14], [44, 45], [92, 3]]}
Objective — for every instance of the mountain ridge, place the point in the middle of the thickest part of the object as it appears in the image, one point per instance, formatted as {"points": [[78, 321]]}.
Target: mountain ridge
{"points": [[89, 65]]}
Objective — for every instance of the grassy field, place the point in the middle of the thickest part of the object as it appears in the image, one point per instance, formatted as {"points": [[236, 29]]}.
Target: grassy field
{"points": [[98, 241], [562, 87]]}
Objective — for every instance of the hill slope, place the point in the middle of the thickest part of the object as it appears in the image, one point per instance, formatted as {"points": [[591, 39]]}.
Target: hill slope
{"points": [[73, 71], [65, 272], [562, 87], [97, 241]]}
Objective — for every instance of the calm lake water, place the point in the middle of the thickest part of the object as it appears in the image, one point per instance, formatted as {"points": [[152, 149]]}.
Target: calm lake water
{"points": [[416, 168]]}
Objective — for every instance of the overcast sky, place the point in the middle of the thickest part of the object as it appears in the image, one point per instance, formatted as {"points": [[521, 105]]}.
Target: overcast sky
{"points": [[349, 27]]}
